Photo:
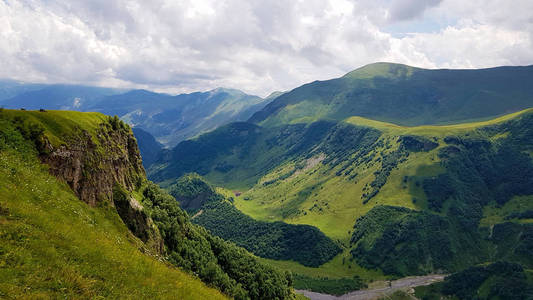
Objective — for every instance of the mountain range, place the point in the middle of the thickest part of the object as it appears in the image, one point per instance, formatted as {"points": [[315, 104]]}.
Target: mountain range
{"points": [[386, 172], [170, 119], [445, 186]]}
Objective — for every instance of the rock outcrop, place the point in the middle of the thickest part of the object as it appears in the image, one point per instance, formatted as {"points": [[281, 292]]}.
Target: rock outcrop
{"points": [[97, 164], [93, 165]]}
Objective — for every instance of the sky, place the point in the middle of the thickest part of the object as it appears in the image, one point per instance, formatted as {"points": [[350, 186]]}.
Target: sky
{"points": [[258, 46]]}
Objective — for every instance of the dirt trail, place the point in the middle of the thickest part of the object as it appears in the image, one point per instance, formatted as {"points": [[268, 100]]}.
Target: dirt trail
{"points": [[381, 289]]}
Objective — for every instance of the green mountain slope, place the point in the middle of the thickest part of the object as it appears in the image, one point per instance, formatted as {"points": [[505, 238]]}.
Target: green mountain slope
{"points": [[87, 246], [405, 95], [460, 194], [212, 210], [52, 245]]}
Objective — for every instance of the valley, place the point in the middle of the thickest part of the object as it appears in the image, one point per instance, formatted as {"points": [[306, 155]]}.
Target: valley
{"points": [[266, 150], [303, 195], [398, 200]]}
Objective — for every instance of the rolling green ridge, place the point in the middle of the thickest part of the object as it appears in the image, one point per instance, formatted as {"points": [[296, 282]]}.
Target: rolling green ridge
{"points": [[405, 95], [460, 194], [54, 245]]}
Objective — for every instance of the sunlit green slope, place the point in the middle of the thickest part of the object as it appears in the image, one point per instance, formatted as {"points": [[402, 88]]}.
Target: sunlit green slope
{"points": [[405, 95], [98, 228], [52, 245], [399, 200]]}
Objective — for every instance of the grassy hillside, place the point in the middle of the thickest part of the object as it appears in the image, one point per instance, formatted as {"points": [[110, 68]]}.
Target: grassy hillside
{"points": [[470, 183], [405, 95], [46, 217], [212, 210], [52, 245]]}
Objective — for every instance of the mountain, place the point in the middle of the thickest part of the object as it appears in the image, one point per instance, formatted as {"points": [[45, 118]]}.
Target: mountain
{"points": [[398, 200], [148, 146], [405, 95], [80, 220], [11, 88], [171, 119], [57, 96]]}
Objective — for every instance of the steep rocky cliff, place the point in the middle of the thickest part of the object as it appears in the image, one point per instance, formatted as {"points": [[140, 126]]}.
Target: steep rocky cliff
{"points": [[93, 165], [98, 157]]}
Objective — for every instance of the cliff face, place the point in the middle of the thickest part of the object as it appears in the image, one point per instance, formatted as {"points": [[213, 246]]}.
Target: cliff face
{"points": [[105, 165], [92, 166]]}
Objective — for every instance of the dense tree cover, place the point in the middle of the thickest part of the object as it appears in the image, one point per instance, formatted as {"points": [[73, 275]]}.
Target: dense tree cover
{"points": [[192, 192], [414, 143], [528, 214], [514, 242], [331, 286], [479, 171], [240, 153], [402, 241], [276, 240], [223, 265], [499, 280], [16, 127]]}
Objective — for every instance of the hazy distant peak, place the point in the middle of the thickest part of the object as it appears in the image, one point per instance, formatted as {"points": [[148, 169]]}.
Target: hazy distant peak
{"points": [[233, 92], [274, 95]]}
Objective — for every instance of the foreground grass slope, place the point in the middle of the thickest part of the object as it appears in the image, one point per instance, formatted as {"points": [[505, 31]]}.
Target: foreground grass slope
{"points": [[52, 245], [99, 160]]}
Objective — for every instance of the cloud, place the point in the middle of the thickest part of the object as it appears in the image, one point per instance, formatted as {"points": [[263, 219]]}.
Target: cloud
{"points": [[408, 9], [257, 46]]}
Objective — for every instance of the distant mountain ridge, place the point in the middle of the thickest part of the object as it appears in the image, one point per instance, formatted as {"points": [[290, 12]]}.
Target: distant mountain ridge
{"points": [[405, 95], [170, 119]]}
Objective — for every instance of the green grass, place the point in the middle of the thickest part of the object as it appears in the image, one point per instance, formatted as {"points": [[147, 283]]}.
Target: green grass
{"points": [[333, 269], [59, 124], [493, 214], [52, 245], [434, 130]]}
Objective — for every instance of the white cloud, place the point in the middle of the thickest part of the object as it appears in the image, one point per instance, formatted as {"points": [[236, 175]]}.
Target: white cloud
{"points": [[257, 46]]}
